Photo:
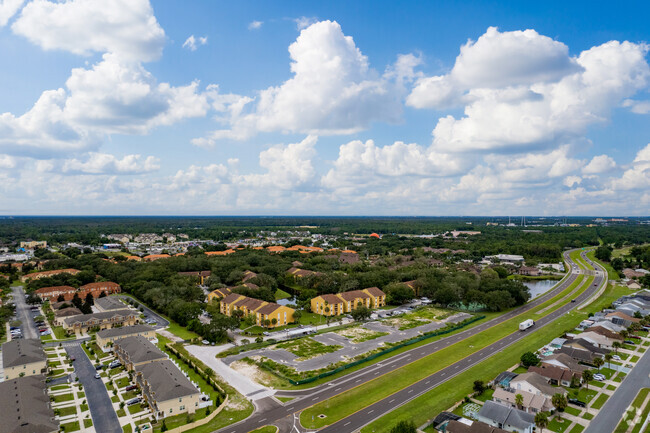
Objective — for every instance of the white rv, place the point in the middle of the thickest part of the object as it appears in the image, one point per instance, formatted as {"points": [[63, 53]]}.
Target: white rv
{"points": [[526, 324]]}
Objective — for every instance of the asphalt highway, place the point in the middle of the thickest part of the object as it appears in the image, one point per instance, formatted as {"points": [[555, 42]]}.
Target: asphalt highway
{"points": [[309, 397]]}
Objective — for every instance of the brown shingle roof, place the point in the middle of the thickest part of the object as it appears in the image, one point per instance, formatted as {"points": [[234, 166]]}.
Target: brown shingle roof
{"points": [[331, 299], [375, 291], [353, 294], [268, 308]]}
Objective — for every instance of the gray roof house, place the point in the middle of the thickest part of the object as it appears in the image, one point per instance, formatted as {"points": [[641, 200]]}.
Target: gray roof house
{"points": [[20, 352], [136, 350], [26, 406], [506, 418], [109, 303]]}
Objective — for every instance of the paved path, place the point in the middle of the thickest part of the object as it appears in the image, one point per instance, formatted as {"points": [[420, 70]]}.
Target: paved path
{"points": [[241, 383], [309, 397], [23, 313], [101, 408], [614, 408]]}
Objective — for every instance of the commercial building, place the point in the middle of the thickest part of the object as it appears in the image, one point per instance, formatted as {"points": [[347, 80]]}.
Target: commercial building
{"points": [[166, 389], [107, 336], [136, 351], [26, 406], [23, 358]]}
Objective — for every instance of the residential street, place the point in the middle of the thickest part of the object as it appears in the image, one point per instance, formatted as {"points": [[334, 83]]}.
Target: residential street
{"points": [[613, 410], [101, 408]]}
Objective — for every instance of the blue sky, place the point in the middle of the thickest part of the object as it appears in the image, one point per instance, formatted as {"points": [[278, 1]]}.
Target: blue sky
{"points": [[327, 108]]}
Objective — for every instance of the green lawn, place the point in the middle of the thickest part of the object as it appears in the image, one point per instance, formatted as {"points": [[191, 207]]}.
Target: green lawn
{"points": [[59, 387], [487, 395], [120, 413], [135, 408], [63, 397], [631, 412], [281, 294], [180, 331], [127, 429], [572, 410], [88, 422], [122, 382], [577, 428], [520, 370], [611, 388], [71, 426], [345, 404], [600, 401], [583, 394], [285, 399], [65, 411], [588, 416], [558, 426], [442, 397]]}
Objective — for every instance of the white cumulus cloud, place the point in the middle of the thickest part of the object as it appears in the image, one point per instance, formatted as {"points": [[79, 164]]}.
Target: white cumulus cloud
{"points": [[333, 90], [8, 9], [192, 42], [103, 163], [255, 25], [599, 164], [125, 27], [522, 91]]}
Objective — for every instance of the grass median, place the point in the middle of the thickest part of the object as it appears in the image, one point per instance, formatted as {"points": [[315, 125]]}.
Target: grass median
{"points": [[425, 407], [368, 393]]}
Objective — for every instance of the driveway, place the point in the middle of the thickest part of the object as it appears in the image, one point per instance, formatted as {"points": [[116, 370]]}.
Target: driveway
{"points": [[614, 408], [101, 408], [23, 313]]}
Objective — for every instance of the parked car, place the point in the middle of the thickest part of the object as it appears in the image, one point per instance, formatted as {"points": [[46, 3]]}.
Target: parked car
{"points": [[265, 333], [133, 401], [131, 387], [99, 367], [599, 377], [629, 342], [115, 364], [97, 376], [206, 342], [577, 402], [616, 358]]}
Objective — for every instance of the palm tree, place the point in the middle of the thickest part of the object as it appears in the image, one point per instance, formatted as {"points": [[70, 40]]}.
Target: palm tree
{"points": [[608, 358], [560, 402], [587, 375], [624, 333], [598, 362], [617, 345], [541, 420], [519, 401]]}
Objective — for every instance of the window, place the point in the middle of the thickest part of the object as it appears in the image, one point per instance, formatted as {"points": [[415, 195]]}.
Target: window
{"points": [[181, 408], [170, 410], [180, 399]]}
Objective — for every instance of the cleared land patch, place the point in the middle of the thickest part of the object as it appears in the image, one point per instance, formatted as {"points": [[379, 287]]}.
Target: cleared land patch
{"points": [[359, 334], [306, 348]]}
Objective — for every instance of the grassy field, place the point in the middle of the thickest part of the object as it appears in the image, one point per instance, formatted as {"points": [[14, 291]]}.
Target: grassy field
{"points": [[421, 316], [364, 395], [575, 256], [63, 397], [624, 251], [180, 331], [281, 294], [71, 426]]}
